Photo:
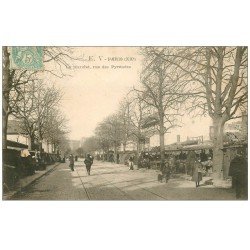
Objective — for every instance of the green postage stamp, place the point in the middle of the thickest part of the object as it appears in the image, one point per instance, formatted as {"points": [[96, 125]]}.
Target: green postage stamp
{"points": [[27, 57]]}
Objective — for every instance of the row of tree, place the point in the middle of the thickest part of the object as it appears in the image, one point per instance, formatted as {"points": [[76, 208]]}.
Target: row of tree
{"points": [[34, 101], [173, 81]]}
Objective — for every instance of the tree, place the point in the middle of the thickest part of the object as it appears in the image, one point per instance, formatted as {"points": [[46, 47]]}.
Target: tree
{"points": [[12, 79], [5, 95], [109, 133], [23, 105], [80, 152], [124, 117], [46, 99], [219, 86], [56, 59], [160, 88], [36, 110], [55, 128], [63, 146], [90, 145], [138, 112]]}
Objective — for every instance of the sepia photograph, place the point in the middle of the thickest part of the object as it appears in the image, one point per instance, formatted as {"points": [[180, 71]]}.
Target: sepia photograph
{"points": [[123, 123]]}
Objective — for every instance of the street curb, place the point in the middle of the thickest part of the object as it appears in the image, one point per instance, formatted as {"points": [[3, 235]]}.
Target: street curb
{"points": [[15, 192]]}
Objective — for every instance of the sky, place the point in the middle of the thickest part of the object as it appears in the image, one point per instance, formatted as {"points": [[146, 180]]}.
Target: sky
{"points": [[91, 94], [97, 86]]}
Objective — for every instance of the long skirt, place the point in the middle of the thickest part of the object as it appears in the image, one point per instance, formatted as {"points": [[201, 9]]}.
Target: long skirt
{"points": [[197, 176]]}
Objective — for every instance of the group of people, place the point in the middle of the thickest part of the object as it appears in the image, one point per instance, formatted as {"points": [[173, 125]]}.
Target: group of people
{"points": [[193, 164], [238, 171], [88, 161]]}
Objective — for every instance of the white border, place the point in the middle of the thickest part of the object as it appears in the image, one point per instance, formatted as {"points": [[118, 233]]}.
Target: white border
{"points": [[124, 225]]}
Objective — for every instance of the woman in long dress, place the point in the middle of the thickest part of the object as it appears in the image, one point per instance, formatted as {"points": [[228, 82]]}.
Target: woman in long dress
{"points": [[197, 173]]}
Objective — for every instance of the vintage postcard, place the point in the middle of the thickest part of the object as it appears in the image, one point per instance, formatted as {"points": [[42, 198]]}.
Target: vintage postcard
{"points": [[125, 123]]}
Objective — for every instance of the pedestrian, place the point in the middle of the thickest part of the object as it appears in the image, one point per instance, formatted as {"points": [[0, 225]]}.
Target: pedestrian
{"points": [[191, 158], [238, 171], [203, 156], [140, 160], [172, 163], [71, 162], [131, 163], [37, 159], [197, 172], [209, 164], [88, 162], [146, 161], [165, 172]]}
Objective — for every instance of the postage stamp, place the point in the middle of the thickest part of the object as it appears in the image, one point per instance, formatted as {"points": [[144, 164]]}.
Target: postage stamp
{"points": [[27, 57]]}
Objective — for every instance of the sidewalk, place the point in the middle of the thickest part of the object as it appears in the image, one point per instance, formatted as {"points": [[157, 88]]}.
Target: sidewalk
{"points": [[115, 182], [28, 180], [206, 180], [143, 184]]}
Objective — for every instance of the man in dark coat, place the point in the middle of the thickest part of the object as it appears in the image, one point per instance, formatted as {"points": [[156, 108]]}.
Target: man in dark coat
{"points": [[203, 156], [88, 162], [71, 162], [238, 171]]}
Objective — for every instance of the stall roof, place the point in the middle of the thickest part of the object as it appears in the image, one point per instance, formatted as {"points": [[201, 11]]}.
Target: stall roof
{"points": [[16, 145]]}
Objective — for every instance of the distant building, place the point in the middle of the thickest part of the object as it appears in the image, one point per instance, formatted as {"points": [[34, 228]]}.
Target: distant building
{"points": [[82, 140], [15, 132], [191, 129], [130, 146], [74, 144], [237, 130], [199, 129]]}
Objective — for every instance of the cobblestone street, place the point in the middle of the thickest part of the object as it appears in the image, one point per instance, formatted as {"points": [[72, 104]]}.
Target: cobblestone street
{"points": [[116, 182]]}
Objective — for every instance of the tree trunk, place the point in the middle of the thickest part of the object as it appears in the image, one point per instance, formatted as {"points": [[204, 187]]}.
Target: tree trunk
{"points": [[40, 147], [218, 148], [40, 140], [138, 151], [33, 145], [124, 147], [115, 153], [5, 95], [5, 125], [162, 144], [29, 142]]}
